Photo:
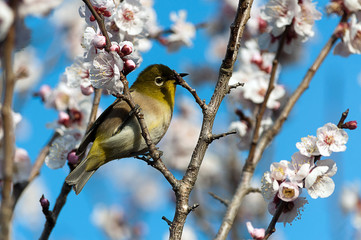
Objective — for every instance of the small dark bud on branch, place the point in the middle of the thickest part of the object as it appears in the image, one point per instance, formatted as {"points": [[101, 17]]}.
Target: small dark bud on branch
{"points": [[44, 203], [350, 125]]}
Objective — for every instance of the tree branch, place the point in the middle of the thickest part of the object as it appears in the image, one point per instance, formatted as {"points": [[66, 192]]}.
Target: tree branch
{"points": [[6, 210], [221, 89], [52, 216]]}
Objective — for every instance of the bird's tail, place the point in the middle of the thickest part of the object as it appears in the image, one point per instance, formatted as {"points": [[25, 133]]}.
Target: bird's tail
{"points": [[79, 176]]}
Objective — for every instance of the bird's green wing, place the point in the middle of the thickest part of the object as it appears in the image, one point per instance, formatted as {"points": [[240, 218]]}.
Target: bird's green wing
{"points": [[91, 133]]}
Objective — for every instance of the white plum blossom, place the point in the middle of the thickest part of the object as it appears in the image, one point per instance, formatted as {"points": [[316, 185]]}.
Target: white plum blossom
{"points": [[59, 150], [63, 97], [352, 5], [37, 7], [28, 73], [319, 182], [308, 146], [182, 32], [301, 167], [349, 197], [331, 139], [77, 75], [105, 8], [269, 187], [288, 191], [130, 17], [92, 39], [351, 38], [240, 127], [298, 16], [279, 171], [252, 54], [16, 120], [279, 14], [182, 135], [291, 211], [255, 90], [66, 16], [22, 165], [6, 19], [112, 221], [304, 21], [105, 72]]}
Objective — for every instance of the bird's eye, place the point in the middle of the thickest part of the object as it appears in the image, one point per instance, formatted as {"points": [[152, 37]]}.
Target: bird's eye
{"points": [[159, 81]]}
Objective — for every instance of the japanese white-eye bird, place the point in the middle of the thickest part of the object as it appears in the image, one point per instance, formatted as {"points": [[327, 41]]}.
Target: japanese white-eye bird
{"points": [[117, 134]]}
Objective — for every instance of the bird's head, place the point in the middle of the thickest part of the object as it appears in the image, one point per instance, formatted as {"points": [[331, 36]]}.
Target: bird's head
{"points": [[157, 81]]}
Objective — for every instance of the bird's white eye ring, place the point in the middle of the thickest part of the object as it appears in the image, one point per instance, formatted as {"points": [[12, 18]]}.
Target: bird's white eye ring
{"points": [[159, 81]]}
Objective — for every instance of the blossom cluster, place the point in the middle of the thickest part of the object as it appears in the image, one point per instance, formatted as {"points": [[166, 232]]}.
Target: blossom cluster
{"points": [[286, 179], [129, 25], [349, 32], [254, 72], [292, 17]]}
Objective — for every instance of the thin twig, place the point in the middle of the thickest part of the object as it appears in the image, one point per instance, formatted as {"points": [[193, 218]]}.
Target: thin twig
{"points": [[167, 221], [100, 21], [180, 81], [343, 118], [52, 216], [6, 210], [234, 86], [272, 226], [253, 190], [221, 200], [263, 106], [221, 135]]}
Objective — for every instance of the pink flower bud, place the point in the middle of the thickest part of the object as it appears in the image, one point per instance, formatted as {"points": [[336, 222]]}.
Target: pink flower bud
{"points": [[72, 157], [115, 48], [44, 203], [75, 116], [256, 233], [92, 18], [262, 25], [44, 92], [127, 49], [64, 119], [129, 66], [341, 29], [350, 125], [99, 41], [257, 59]]}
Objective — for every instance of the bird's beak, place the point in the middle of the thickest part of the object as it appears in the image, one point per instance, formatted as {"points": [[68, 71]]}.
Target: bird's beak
{"points": [[183, 74]]}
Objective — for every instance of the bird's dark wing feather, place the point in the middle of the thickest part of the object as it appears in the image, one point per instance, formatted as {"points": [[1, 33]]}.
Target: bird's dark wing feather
{"points": [[90, 134]]}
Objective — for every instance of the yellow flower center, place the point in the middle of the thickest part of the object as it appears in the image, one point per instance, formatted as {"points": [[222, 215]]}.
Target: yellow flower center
{"points": [[288, 192]]}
